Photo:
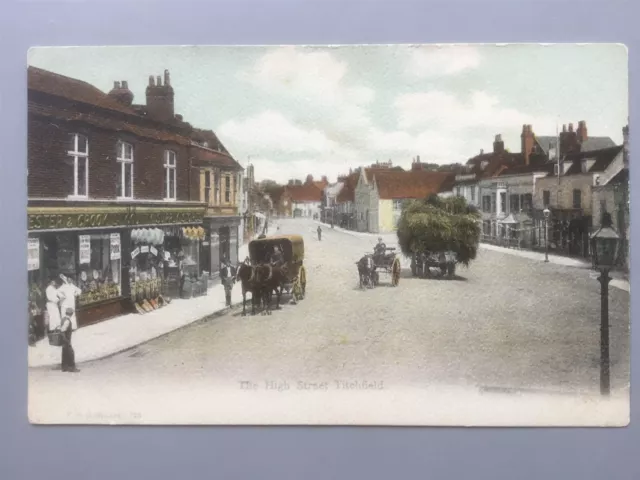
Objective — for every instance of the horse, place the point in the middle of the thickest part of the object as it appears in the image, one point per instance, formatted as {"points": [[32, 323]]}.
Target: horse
{"points": [[246, 274], [269, 279], [366, 271]]}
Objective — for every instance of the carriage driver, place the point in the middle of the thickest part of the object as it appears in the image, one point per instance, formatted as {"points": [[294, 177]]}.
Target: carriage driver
{"points": [[380, 249], [276, 256]]}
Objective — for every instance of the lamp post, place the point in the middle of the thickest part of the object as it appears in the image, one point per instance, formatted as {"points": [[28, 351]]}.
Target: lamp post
{"points": [[546, 213], [605, 241]]}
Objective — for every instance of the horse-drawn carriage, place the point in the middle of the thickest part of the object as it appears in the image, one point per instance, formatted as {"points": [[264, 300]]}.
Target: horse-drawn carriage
{"points": [[422, 262], [275, 265], [371, 264]]}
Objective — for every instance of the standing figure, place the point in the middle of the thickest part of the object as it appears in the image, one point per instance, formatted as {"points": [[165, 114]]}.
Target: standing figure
{"points": [[54, 296], [319, 233], [70, 292], [379, 250], [68, 361], [228, 277]]}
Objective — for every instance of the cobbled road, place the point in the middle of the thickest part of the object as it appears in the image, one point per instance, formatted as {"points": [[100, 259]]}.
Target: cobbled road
{"points": [[504, 322]]}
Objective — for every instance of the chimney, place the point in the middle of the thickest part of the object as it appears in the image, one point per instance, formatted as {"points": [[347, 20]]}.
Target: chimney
{"points": [[121, 93], [418, 159], [498, 144], [571, 128], [160, 105], [125, 84], [582, 131], [564, 129], [167, 81], [527, 142]]}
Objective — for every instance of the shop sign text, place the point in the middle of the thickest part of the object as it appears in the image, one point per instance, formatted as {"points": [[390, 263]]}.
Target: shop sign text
{"points": [[110, 219]]}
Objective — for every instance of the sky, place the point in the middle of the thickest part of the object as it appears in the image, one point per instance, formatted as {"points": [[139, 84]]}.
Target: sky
{"points": [[320, 110]]}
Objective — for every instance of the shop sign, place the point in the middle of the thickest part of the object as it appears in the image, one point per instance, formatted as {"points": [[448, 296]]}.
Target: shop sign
{"points": [[127, 217], [85, 249], [135, 252], [33, 254], [154, 251], [144, 249], [115, 246]]}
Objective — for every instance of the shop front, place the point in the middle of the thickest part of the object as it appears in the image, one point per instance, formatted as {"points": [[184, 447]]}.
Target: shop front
{"points": [[113, 254]]}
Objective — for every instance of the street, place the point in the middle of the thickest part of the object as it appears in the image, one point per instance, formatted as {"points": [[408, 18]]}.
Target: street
{"points": [[504, 324]]}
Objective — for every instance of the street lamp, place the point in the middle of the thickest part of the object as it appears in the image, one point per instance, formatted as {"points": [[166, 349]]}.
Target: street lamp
{"points": [[546, 212], [605, 241]]}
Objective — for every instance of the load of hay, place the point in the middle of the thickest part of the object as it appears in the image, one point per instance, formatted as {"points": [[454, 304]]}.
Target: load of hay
{"points": [[439, 225]]}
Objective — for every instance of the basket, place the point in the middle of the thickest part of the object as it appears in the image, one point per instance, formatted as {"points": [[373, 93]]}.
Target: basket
{"points": [[56, 338]]}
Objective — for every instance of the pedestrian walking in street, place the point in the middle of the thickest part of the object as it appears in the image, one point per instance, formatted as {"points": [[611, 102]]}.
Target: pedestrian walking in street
{"points": [[69, 291], [228, 277], [54, 296], [68, 361], [319, 233]]}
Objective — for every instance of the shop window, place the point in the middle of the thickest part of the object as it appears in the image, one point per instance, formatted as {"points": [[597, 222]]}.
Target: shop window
{"points": [[493, 203], [527, 201], [125, 170], [170, 175], [99, 267], [503, 202], [92, 262], [79, 157], [546, 198], [227, 189], [473, 194]]}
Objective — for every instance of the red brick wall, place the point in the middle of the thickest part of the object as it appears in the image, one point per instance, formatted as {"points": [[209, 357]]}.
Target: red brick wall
{"points": [[50, 174]]}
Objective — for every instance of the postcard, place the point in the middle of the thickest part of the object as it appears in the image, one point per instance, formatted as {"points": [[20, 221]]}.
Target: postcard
{"points": [[329, 235]]}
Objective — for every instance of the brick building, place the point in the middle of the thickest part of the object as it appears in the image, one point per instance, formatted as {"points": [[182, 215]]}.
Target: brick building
{"points": [[114, 201]]}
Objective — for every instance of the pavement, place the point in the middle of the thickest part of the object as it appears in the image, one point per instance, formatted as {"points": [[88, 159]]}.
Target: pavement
{"points": [[122, 333]]}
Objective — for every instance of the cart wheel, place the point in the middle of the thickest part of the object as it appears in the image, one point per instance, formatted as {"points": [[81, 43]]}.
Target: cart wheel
{"points": [[302, 276], [451, 270], [395, 273]]}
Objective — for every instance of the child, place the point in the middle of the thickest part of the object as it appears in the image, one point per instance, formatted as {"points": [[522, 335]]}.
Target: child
{"points": [[68, 355]]}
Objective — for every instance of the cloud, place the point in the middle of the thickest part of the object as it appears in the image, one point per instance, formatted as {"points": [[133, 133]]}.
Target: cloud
{"points": [[441, 109], [313, 76], [270, 130], [267, 168], [442, 60]]}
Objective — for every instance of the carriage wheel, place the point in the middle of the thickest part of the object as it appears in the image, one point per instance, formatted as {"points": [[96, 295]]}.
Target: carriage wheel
{"points": [[395, 273], [302, 276]]}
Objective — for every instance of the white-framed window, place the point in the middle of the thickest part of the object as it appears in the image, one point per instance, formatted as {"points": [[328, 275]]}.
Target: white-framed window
{"points": [[124, 158], [227, 189], [170, 175], [79, 156]]}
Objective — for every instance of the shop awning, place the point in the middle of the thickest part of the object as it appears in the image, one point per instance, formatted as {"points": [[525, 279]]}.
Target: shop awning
{"points": [[152, 236]]}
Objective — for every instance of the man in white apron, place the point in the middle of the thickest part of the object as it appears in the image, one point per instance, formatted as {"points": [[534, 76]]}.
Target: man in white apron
{"points": [[54, 297], [68, 302]]}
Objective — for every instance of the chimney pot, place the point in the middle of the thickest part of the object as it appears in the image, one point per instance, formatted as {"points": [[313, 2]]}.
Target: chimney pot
{"points": [[571, 127], [152, 82], [564, 128], [166, 78], [158, 81], [116, 85], [125, 84]]}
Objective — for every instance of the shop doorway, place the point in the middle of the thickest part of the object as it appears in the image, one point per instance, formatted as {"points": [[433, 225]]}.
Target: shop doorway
{"points": [[225, 243]]}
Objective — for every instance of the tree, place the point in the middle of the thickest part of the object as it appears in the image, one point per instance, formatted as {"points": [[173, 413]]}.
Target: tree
{"points": [[436, 225]]}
